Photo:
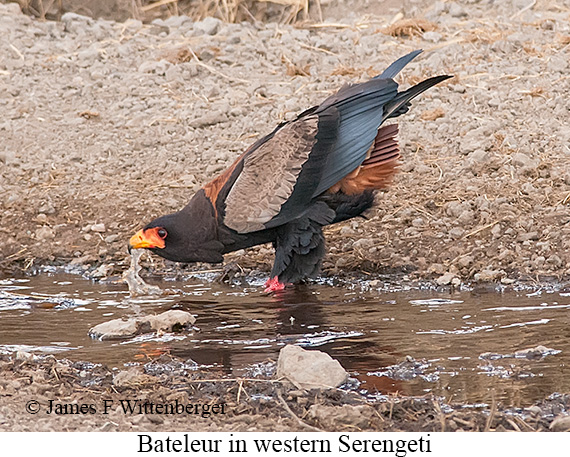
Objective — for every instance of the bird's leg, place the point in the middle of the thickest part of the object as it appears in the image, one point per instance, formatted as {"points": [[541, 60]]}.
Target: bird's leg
{"points": [[273, 285], [299, 248]]}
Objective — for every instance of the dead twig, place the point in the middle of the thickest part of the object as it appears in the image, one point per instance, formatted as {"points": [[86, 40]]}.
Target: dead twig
{"points": [[524, 10], [294, 416], [213, 70], [492, 412], [480, 229], [151, 6]]}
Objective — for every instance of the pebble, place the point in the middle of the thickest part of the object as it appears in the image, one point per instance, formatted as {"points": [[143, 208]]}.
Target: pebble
{"points": [[44, 233], [560, 424], [99, 228], [456, 233], [342, 415], [209, 119], [151, 66], [535, 410], [364, 243], [111, 238], [488, 275], [133, 378], [75, 23], [208, 26], [465, 261], [521, 160], [557, 63], [46, 208], [456, 10], [445, 279], [433, 37]]}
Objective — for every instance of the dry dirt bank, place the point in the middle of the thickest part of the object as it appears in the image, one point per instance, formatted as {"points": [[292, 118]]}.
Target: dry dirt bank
{"points": [[105, 125]]}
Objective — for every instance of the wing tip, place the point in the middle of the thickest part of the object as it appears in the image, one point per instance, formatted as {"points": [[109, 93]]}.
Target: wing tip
{"points": [[397, 66]]}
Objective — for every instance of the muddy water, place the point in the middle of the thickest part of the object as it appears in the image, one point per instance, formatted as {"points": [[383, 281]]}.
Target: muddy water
{"points": [[459, 345]]}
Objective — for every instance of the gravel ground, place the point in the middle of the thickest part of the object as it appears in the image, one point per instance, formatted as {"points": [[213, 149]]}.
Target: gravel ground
{"points": [[106, 125]]}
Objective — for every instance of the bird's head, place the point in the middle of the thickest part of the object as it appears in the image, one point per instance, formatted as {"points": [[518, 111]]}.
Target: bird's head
{"points": [[185, 236], [161, 236]]}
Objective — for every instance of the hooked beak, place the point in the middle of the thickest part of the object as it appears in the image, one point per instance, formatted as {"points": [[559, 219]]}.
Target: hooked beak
{"points": [[146, 238]]}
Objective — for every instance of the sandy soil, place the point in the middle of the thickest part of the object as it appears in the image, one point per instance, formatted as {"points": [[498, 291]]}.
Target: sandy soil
{"points": [[106, 125]]}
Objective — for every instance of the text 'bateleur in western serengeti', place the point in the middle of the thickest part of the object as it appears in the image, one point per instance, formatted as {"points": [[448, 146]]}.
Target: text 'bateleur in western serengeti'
{"points": [[318, 169]]}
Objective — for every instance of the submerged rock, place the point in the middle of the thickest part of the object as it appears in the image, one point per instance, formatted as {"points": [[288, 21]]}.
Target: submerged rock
{"points": [[169, 321], [536, 353], [310, 369]]}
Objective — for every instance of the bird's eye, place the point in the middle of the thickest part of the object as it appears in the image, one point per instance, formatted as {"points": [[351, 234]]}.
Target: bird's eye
{"points": [[162, 233]]}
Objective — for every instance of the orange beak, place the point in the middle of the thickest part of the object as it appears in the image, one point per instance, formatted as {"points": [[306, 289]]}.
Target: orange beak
{"points": [[146, 238]]}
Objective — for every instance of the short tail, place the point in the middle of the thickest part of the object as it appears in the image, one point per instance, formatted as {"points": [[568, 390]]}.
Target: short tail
{"points": [[377, 169]]}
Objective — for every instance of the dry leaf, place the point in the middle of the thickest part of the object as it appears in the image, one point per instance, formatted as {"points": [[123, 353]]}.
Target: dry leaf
{"points": [[432, 114], [410, 27]]}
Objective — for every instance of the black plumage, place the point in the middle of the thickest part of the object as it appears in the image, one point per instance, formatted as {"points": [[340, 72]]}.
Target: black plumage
{"points": [[318, 169]]}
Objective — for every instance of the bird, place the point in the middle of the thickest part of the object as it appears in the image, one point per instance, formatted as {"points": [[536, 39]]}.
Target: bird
{"points": [[320, 168]]}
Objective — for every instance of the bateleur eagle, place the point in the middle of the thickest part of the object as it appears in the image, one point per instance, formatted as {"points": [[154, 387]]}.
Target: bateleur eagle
{"points": [[318, 169]]}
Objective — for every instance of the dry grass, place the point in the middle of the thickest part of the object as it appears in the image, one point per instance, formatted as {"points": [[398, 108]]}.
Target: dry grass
{"points": [[564, 39], [180, 55], [409, 27], [353, 72], [535, 92], [88, 114], [233, 11], [432, 114], [485, 34], [41, 8], [294, 69]]}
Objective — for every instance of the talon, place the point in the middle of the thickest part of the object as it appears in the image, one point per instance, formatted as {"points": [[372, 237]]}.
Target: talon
{"points": [[273, 285]]}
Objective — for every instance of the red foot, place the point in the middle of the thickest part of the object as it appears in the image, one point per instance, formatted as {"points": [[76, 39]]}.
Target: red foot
{"points": [[273, 285]]}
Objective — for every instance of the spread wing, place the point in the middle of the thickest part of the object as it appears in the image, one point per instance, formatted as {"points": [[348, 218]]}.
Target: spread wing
{"points": [[269, 175], [279, 178]]}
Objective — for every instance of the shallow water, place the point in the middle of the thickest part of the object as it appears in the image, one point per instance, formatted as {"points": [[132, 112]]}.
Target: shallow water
{"points": [[464, 345]]}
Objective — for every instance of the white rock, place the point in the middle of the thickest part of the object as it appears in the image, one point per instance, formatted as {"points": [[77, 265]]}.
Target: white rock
{"points": [[168, 321], [209, 25], [445, 279], [116, 328], [44, 233], [310, 369], [99, 228]]}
